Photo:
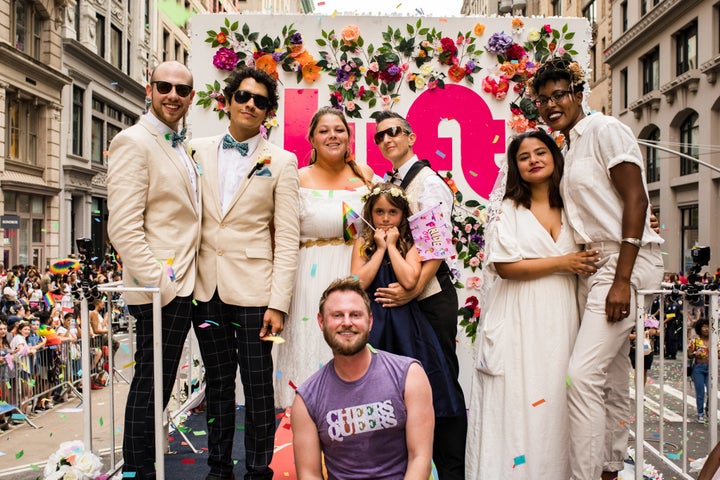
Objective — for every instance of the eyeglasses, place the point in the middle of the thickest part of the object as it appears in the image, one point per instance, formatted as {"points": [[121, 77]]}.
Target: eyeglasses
{"points": [[166, 87], [542, 100], [392, 131], [262, 102]]}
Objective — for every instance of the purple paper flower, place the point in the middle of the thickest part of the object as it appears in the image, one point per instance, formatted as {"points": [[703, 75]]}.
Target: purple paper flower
{"points": [[296, 39], [393, 70], [499, 43], [470, 66], [277, 56], [342, 75], [225, 59]]}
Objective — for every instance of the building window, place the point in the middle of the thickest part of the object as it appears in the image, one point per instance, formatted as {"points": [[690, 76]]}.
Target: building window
{"points": [[77, 121], [689, 234], [22, 129], [652, 160], [100, 35], [651, 70], [27, 24], [589, 13], [166, 45], [557, 7], [624, 16], [116, 47], [24, 245], [643, 7], [593, 68], [107, 122], [689, 135], [686, 48], [624, 88]]}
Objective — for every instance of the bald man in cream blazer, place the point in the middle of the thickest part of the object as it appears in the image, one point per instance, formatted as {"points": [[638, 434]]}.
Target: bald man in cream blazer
{"points": [[154, 224], [246, 270]]}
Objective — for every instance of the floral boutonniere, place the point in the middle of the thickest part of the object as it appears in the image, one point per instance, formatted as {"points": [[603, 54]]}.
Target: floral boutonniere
{"points": [[191, 153], [264, 160]]}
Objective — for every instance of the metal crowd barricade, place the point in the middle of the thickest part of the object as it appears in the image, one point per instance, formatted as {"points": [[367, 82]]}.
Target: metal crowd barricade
{"points": [[640, 443]]}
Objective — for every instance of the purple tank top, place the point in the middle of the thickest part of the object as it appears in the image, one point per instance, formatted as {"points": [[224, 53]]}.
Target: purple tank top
{"points": [[361, 424]]}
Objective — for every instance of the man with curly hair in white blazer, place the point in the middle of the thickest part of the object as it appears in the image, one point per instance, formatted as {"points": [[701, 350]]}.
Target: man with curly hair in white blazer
{"points": [[246, 270]]}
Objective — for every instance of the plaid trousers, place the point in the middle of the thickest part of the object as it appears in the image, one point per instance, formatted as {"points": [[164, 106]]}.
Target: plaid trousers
{"points": [[228, 336], [138, 437]]}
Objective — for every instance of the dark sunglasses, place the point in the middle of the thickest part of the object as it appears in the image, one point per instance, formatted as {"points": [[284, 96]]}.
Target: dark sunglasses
{"points": [[392, 131], [166, 87], [260, 101]]}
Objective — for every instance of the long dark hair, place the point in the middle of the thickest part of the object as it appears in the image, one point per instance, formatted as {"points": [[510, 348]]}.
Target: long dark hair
{"points": [[518, 189], [349, 159], [397, 198]]}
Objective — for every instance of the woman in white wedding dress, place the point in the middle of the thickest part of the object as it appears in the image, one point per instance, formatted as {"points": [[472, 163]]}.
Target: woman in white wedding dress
{"points": [[518, 422], [332, 178]]}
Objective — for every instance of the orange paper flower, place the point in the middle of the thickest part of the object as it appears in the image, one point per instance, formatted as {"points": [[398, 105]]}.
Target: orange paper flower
{"points": [[304, 58], [479, 29], [268, 64], [456, 73], [350, 34], [221, 38], [310, 72]]}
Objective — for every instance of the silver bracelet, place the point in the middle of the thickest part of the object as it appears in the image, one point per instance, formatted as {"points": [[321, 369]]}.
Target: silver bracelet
{"points": [[633, 241]]}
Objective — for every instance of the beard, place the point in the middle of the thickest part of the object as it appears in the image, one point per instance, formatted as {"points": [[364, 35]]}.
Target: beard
{"points": [[346, 349]]}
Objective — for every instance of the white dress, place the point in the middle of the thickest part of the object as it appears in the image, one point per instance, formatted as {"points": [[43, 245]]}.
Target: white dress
{"points": [[518, 419], [324, 257]]}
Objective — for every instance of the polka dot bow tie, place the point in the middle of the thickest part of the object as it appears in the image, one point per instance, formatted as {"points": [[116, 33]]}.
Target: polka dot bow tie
{"points": [[230, 142]]}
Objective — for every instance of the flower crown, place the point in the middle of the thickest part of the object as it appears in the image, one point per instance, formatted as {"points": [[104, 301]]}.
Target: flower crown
{"points": [[394, 191], [577, 74]]}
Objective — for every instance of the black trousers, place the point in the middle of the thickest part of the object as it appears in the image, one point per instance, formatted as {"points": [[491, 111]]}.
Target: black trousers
{"points": [[450, 432], [228, 338], [139, 434]]}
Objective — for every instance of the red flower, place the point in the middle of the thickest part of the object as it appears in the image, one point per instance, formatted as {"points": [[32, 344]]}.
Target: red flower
{"points": [[221, 38], [515, 52], [456, 73], [448, 45], [471, 302], [547, 28]]}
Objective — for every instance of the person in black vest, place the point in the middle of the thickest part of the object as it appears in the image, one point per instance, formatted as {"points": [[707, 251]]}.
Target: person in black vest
{"points": [[434, 291]]}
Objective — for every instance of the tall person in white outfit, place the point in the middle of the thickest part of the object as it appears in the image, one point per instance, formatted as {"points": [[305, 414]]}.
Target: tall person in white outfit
{"points": [[606, 204]]}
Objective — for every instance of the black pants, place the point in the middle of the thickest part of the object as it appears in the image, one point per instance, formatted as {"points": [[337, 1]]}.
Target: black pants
{"points": [[139, 434], [450, 432], [228, 338]]}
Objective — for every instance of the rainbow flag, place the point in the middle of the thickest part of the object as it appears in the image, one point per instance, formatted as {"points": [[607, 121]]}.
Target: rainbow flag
{"points": [[349, 219], [49, 300]]}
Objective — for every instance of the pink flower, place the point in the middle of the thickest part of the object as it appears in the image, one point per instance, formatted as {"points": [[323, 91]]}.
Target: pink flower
{"points": [[468, 228], [350, 106], [474, 262], [474, 283], [547, 28], [225, 59]]}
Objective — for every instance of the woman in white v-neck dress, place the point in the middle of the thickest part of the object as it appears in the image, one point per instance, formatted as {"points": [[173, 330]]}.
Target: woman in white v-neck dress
{"points": [[518, 423]]}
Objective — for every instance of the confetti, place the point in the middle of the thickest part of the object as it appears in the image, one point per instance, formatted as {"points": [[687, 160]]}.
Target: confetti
{"points": [[19, 454], [34, 467], [495, 140], [313, 269], [278, 374], [443, 20], [519, 460], [539, 402], [305, 319], [204, 325], [473, 173], [419, 11], [320, 4], [371, 348], [129, 474], [567, 381], [187, 461], [214, 323], [101, 421], [398, 5], [128, 365], [273, 338], [194, 302], [18, 416], [334, 14], [673, 456], [287, 426], [439, 154], [240, 427], [199, 433], [211, 421], [237, 325], [292, 385]]}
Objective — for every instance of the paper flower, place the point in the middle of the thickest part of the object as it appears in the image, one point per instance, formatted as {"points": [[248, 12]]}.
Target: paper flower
{"points": [[225, 59], [350, 34], [72, 461]]}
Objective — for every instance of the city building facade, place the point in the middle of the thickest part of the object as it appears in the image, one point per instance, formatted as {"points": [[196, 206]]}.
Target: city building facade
{"points": [[675, 104], [72, 76]]}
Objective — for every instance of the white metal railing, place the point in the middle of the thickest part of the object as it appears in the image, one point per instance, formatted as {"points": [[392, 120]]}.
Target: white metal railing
{"points": [[640, 443]]}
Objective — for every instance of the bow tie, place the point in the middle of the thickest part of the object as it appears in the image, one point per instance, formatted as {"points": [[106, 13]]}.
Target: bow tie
{"points": [[393, 177], [175, 137], [230, 142]]}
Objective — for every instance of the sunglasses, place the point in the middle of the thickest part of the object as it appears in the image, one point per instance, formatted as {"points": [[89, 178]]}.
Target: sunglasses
{"points": [[262, 102], [166, 87], [392, 131]]}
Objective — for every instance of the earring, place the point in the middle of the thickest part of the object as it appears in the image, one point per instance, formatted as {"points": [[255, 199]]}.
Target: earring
{"points": [[313, 156]]}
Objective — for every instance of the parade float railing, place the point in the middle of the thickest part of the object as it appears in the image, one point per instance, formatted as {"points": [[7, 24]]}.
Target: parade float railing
{"points": [[641, 444]]}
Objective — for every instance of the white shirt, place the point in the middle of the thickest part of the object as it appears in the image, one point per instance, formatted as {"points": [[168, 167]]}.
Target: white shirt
{"points": [[180, 151], [233, 168], [593, 206], [434, 192]]}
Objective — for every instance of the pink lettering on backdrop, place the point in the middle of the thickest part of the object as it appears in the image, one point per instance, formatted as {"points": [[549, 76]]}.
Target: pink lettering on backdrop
{"points": [[481, 136]]}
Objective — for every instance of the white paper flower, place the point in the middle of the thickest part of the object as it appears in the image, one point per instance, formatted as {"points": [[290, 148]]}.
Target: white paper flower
{"points": [[88, 464]]}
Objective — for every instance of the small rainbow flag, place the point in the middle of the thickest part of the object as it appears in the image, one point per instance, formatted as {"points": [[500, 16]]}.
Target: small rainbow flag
{"points": [[49, 300], [349, 219]]}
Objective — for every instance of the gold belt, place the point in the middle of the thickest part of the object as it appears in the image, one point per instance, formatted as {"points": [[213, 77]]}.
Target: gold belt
{"points": [[318, 242]]}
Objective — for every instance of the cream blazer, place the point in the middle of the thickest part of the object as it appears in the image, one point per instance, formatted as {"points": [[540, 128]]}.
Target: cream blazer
{"points": [[249, 255], [154, 219]]}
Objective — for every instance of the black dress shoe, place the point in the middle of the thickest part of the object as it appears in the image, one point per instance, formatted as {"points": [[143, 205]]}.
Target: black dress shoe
{"points": [[217, 476]]}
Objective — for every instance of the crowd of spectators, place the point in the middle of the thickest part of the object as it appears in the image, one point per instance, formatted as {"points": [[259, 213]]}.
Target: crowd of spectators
{"points": [[40, 334]]}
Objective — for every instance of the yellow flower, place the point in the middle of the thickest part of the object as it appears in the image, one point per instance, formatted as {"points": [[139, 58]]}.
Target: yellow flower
{"points": [[426, 69], [479, 29], [419, 82], [533, 35]]}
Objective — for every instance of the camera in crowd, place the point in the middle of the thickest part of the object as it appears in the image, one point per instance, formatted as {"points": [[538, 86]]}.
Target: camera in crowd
{"points": [[701, 258], [88, 260]]}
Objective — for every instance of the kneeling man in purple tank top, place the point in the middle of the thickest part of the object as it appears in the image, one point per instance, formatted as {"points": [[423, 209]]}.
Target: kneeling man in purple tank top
{"points": [[369, 412]]}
